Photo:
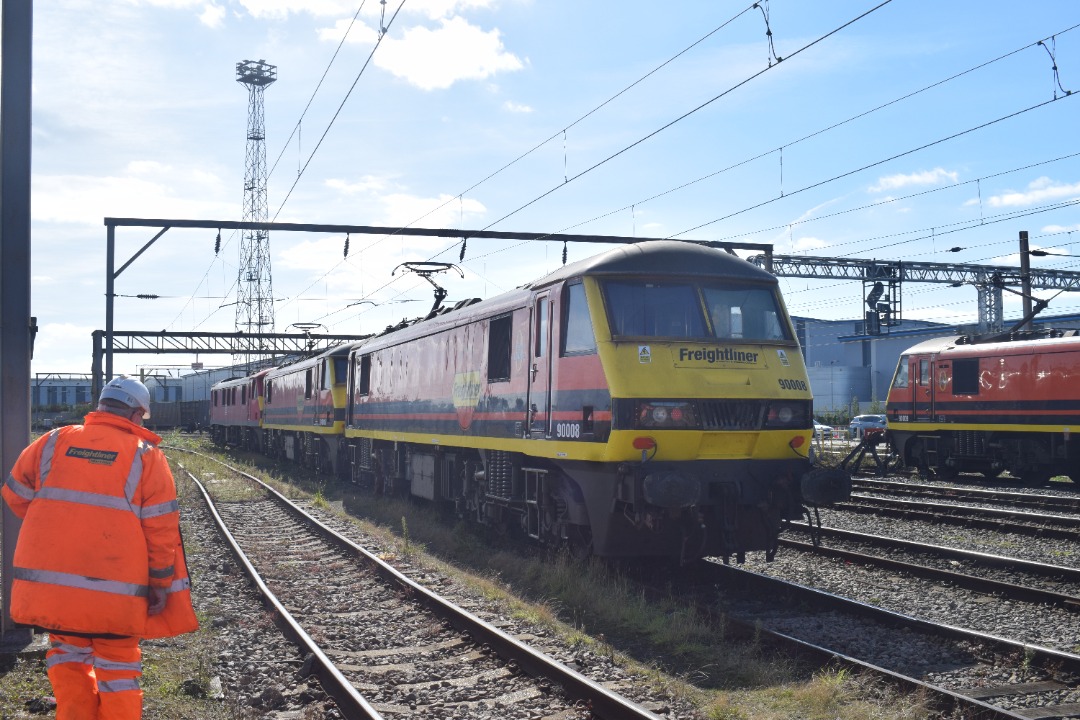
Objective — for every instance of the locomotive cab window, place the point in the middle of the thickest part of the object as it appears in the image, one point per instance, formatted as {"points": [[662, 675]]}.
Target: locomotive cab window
{"points": [[577, 333], [364, 386], [243, 394], [965, 376], [924, 372], [499, 335], [541, 327], [749, 313], [901, 379], [269, 391], [308, 382], [341, 367]]}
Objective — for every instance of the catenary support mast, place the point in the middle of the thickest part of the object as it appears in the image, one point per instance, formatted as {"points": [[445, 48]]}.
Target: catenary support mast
{"points": [[254, 285]]}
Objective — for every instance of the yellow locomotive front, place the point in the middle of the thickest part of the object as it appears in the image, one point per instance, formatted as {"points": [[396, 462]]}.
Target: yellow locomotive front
{"points": [[711, 409]]}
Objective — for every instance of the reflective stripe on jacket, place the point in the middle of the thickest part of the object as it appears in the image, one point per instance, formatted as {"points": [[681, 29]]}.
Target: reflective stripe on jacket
{"points": [[100, 525]]}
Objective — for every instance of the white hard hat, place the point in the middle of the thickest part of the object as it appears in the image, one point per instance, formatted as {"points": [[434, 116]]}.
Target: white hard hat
{"points": [[129, 391]]}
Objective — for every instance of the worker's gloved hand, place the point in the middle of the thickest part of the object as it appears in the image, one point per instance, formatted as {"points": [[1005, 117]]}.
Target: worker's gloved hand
{"points": [[156, 598]]}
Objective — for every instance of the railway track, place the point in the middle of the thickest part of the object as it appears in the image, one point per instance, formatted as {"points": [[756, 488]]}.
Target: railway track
{"points": [[982, 674], [997, 628], [1021, 522], [1046, 582], [1011, 499], [381, 644], [976, 582]]}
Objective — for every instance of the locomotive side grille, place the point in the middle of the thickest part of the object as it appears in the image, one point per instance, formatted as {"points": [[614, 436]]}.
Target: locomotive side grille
{"points": [[969, 443], [500, 474], [732, 414], [364, 451]]}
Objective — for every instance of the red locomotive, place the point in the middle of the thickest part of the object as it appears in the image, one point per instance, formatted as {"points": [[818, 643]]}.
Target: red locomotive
{"points": [[959, 405], [236, 412], [651, 400]]}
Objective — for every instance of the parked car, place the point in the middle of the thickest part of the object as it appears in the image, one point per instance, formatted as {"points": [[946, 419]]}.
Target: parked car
{"points": [[821, 430], [861, 423]]}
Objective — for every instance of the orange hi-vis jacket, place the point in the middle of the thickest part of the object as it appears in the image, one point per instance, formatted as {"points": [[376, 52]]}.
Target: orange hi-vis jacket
{"points": [[100, 525]]}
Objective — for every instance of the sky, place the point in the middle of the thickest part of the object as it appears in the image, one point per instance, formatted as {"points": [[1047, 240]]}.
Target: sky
{"points": [[854, 128]]}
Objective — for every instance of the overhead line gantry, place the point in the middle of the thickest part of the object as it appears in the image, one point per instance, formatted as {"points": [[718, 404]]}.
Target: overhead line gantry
{"points": [[988, 280]]}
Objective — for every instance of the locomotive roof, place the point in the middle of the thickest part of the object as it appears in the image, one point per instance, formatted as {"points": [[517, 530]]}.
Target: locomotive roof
{"points": [[961, 345], [673, 258], [661, 257], [287, 368]]}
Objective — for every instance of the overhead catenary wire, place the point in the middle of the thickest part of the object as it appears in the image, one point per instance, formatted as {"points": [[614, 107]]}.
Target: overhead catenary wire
{"points": [[590, 113], [553, 136], [303, 113], [821, 131], [685, 115], [557, 134], [981, 221], [467, 191], [382, 35], [676, 120], [877, 163]]}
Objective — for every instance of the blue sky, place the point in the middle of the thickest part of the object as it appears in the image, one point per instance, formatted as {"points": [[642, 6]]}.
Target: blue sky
{"points": [[919, 127]]}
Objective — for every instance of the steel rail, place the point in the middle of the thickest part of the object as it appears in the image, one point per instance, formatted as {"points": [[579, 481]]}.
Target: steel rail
{"points": [[965, 580], [973, 707], [602, 702], [975, 494], [350, 702], [768, 586], [1032, 568], [976, 517]]}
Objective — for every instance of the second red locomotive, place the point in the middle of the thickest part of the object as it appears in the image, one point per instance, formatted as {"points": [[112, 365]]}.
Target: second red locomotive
{"points": [[959, 405]]}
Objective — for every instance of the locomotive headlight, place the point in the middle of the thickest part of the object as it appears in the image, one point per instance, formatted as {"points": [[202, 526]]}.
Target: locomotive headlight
{"points": [[673, 414], [788, 414]]}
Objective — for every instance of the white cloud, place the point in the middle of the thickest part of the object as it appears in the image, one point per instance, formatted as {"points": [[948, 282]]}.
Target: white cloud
{"points": [[1061, 228], [54, 341], [359, 33], [213, 15], [516, 107], [280, 9], [367, 184], [175, 4], [433, 59], [806, 244], [937, 176], [437, 9], [1039, 190], [147, 189], [401, 209], [436, 59]]}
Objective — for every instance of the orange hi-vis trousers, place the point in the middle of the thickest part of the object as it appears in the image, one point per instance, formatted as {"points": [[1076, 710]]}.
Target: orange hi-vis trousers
{"points": [[95, 678]]}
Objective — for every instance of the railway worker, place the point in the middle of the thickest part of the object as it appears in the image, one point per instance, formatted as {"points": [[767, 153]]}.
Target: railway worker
{"points": [[99, 562]]}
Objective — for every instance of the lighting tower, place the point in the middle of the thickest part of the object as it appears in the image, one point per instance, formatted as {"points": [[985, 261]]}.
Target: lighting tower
{"points": [[254, 294]]}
